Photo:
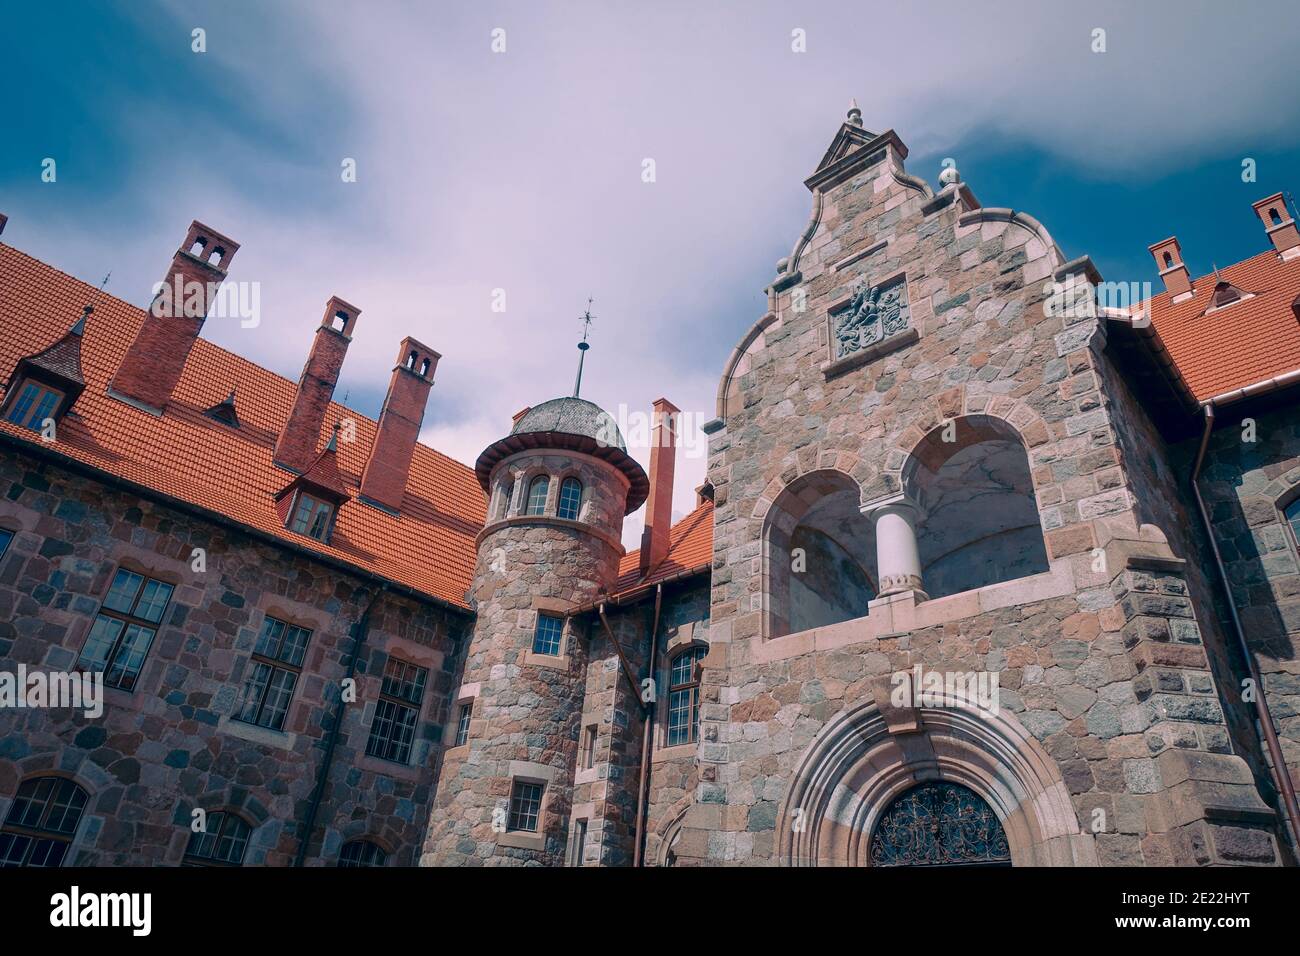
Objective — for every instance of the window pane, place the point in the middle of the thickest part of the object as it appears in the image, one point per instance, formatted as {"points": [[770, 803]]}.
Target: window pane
{"points": [[268, 642], [570, 499], [403, 680], [302, 518], [679, 716], [28, 808], [462, 725], [254, 690], [320, 524], [126, 664], [21, 409], [362, 853], [153, 600], [294, 647], [99, 643], [525, 804], [121, 596], [44, 409], [277, 698], [5, 538], [547, 637], [537, 492]]}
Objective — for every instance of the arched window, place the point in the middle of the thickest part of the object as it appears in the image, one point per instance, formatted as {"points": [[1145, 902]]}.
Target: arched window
{"points": [[939, 824], [362, 853], [1273, 216], [981, 523], [684, 697], [41, 822], [821, 554], [221, 843], [570, 499], [1169, 260], [537, 492]]}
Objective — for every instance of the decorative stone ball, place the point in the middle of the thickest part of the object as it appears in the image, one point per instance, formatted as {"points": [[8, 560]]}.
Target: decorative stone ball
{"points": [[782, 264], [949, 175]]}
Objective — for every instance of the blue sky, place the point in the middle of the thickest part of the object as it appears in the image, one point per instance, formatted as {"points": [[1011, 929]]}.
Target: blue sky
{"points": [[522, 170]]}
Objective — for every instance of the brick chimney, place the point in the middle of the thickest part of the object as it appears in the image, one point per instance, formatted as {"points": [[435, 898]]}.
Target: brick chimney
{"points": [[383, 482], [295, 449], [1169, 260], [153, 364], [1280, 225], [659, 506]]}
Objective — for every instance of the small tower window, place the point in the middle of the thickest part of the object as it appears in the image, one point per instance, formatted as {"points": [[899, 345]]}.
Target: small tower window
{"points": [[362, 853], [525, 806], [462, 724], [507, 493], [222, 842], [548, 635], [1169, 260], [41, 822], [35, 403], [1274, 217], [537, 493], [570, 499]]}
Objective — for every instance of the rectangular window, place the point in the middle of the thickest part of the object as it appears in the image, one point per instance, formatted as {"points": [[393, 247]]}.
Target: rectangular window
{"points": [[393, 730], [684, 697], [124, 629], [34, 404], [579, 842], [277, 662], [589, 747], [462, 724], [5, 538], [525, 806], [311, 517], [546, 639]]}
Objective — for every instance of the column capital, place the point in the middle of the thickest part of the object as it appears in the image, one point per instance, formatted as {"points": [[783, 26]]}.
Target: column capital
{"points": [[898, 502]]}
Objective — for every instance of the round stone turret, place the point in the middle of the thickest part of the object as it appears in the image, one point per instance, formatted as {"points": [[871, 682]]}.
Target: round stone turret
{"points": [[558, 488]]}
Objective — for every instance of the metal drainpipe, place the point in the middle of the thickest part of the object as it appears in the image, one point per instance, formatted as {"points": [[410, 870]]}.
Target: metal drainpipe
{"points": [[642, 800], [1281, 774], [359, 631]]}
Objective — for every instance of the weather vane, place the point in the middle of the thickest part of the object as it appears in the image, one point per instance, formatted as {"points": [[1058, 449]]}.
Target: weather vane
{"points": [[583, 346]]}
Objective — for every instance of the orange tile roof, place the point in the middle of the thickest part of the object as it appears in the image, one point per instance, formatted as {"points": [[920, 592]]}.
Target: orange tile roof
{"points": [[690, 549], [190, 457], [1240, 344]]}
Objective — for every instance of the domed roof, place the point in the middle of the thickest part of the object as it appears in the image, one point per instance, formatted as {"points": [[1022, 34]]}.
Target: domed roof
{"points": [[572, 416], [569, 424]]}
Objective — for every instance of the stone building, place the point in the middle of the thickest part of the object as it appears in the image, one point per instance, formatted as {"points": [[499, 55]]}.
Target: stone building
{"points": [[991, 566]]}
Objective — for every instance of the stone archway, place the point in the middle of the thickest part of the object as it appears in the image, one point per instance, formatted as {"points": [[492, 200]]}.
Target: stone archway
{"points": [[867, 757]]}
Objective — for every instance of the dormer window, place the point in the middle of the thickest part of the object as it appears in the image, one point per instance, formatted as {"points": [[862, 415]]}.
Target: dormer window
{"points": [[34, 404], [1225, 294], [312, 517]]}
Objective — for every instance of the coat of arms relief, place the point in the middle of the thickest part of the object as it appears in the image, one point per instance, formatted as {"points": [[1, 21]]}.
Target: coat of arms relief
{"points": [[875, 313]]}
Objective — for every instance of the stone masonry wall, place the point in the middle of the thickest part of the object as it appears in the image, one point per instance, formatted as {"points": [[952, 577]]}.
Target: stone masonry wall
{"points": [[1074, 704], [170, 746]]}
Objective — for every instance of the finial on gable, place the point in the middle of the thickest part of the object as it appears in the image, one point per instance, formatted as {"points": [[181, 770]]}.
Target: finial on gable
{"points": [[855, 114]]}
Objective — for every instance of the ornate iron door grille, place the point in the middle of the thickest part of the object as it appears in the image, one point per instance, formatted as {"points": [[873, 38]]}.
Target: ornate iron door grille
{"points": [[939, 824]]}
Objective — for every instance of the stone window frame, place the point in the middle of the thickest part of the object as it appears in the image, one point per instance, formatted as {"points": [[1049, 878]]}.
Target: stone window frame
{"points": [[576, 849], [417, 706], [148, 571], [228, 812], [696, 685], [530, 477], [70, 840], [1288, 498], [535, 773], [583, 493], [12, 532], [504, 496], [277, 664], [553, 608], [465, 696], [363, 841]]}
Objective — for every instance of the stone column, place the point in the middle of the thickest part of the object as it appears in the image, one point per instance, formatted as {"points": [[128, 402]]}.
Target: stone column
{"points": [[898, 563]]}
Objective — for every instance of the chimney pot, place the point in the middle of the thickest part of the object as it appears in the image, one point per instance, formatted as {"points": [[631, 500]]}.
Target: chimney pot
{"points": [[659, 506], [295, 448], [1279, 224], [383, 482], [153, 364], [1169, 260]]}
